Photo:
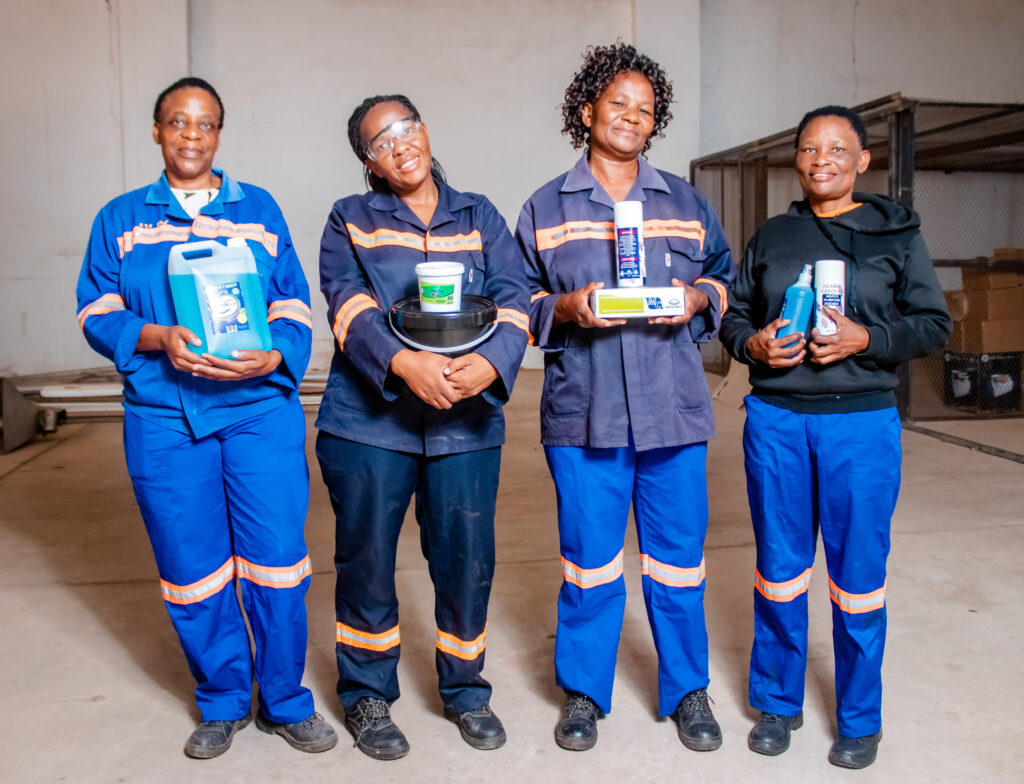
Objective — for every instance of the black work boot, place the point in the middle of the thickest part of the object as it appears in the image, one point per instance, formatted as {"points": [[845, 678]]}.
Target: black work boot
{"points": [[577, 729], [376, 735], [698, 729], [855, 752], [771, 733], [480, 728], [212, 738], [312, 734]]}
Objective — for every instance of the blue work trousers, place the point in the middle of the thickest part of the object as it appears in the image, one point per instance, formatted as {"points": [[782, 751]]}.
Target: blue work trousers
{"points": [[668, 490], [370, 490], [839, 473], [231, 507]]}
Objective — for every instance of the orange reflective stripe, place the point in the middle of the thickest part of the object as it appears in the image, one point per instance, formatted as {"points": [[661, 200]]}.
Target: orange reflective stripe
{"points": [[294, 309], [211, 228], [785, 591], [690, 230], [723, 296], [514, 317], [591, 578], [455, 242], [856, 603], [152, 235], [347, 312], [383, 237], [574, 230], [346, 635], [539, 295], [108, 303], [462, 649], [201, 589], [675, 576], [274, 576]]}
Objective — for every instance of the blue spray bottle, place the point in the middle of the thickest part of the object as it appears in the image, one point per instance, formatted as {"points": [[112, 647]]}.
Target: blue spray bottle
{"points": [[798, 305]]}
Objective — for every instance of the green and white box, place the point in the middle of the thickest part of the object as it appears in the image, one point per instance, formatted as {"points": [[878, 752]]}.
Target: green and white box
{"points": [[642, 302]]}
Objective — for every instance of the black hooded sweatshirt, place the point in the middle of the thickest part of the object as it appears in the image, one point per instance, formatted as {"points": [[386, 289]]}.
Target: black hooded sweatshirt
{"points": [[891, 290]]}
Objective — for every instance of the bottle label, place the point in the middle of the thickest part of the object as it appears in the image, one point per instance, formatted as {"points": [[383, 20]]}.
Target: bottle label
{"points": [[227, 307], [831, 295], [628, 247], [437, 294]]}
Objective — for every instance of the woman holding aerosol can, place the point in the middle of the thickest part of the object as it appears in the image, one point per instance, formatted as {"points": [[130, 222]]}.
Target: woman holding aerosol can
{"points": [[822, 438]]}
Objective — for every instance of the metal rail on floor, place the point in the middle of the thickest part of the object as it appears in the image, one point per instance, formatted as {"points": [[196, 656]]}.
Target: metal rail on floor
{"points": [[973, 445]]}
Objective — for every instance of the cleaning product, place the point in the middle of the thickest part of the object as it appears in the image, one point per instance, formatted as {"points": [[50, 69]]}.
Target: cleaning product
{"points": [[830, 291], [631, 267], [217, 294], [798, 304]]}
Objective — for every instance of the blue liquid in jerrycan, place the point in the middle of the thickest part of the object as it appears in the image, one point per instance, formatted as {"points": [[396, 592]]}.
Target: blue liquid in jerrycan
{"points": [[798, 305], [217, 294]]}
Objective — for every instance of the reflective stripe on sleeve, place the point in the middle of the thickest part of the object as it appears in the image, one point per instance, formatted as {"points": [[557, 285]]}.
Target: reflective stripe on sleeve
{"points": [[201, 589], [274, 576], [675, 576], [591, 578], [462, 649], [515, 317], [347, 312], [539, 295], [856, 603], [108, 303], [782, 592], [723, 297], [354, 638], [294, 309]]}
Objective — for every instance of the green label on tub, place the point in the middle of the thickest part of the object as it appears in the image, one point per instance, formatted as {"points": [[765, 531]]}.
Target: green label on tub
{"points": [[612, 305], [434, 294]]}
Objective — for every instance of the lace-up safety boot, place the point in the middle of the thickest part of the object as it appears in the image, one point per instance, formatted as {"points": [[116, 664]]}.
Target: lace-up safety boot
{"points": [[480, 728], [312, 734], [577, 729], [855, 752], [212, 738], [771, 733], [698, 729], [376, 735]]}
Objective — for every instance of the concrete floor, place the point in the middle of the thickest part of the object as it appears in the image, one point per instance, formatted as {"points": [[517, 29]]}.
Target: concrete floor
{"points": [[95, 688]]}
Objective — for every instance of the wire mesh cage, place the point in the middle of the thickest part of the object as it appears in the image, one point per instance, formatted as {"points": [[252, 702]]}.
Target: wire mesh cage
{"points": [[961, 166]]}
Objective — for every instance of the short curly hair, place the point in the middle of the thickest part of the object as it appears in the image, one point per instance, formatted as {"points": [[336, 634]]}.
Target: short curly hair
{"points": [[601, 64]]}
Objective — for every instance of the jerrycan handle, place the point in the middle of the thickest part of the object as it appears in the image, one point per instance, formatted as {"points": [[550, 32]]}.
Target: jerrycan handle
{"points": [[190, 251]]}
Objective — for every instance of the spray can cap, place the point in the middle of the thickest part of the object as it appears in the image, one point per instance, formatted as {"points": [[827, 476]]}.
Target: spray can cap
{"points": [[805, 276]]}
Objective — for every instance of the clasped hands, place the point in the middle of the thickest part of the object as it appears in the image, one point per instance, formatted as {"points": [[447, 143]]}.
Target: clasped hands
{"points": [[850, 338], [441, 381]]}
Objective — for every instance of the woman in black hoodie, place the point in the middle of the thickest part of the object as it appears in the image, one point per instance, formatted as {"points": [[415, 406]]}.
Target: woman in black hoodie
{"points": [[822, 437]]}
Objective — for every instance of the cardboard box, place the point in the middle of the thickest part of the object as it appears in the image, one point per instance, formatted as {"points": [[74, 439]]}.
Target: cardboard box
{"points": [[987, 336], [993, 304], [956, 304], [734, 386], [639, 302], [976, 278], [1017, 254]]}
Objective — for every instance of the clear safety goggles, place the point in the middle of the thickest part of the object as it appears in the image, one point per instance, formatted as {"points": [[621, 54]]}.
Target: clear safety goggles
{"points": [[402, 131]]}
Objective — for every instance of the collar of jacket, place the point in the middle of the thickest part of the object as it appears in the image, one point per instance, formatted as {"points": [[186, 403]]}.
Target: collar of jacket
{"points": [[449, 201], [580, 178], [160, 193]]}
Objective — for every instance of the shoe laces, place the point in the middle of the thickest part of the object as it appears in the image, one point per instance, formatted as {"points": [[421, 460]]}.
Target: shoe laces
{"points": [[577, 702], [311, 721], [483, 710], [696, 702], [373, 713]]}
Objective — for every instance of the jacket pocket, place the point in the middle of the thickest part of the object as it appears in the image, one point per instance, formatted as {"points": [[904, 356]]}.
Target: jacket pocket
{"points": [[567, 383], [686, 259]]}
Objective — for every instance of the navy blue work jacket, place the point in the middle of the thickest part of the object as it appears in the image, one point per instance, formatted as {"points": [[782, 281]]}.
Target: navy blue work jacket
{"points": [[368, 254], [602, 383]]}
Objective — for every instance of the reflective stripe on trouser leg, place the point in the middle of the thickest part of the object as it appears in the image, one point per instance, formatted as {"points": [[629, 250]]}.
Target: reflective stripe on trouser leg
{"points": [[858, 458], [455, 502], [179, 487], [266, 481], [670, 504], [780, 489], [370, 489], [593, 489]]}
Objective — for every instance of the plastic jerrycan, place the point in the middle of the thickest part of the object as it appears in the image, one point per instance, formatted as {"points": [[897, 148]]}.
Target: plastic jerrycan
{"points": [[798, 304], [217, 294]]}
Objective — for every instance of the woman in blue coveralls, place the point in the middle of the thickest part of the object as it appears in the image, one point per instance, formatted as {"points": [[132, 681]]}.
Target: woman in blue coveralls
{"points": [[214, 446], [822, 437], [396, 422], [625, 411]]}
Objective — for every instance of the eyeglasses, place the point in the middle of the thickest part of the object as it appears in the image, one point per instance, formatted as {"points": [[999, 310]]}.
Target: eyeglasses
{"points": [[382, 145]]}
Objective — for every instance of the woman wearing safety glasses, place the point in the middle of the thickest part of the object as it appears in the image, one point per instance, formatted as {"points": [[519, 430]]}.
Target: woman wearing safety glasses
{"points": [[396, 422]]}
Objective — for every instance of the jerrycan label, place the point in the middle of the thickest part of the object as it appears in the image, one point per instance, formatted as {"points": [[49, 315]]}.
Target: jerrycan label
{"points": [[437, 294], [227, 307], [628, 239]]}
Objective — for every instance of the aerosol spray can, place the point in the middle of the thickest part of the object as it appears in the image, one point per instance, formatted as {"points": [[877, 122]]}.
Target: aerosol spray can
{"points": [[629, 244], [829, 291]]}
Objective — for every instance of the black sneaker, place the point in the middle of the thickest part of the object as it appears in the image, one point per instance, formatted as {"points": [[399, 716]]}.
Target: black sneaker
{"points": [[312, 734], [480, 728], [212, 738], [771, 733], [855, 752], [376, 735], [698, 729], [577, 729]]}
